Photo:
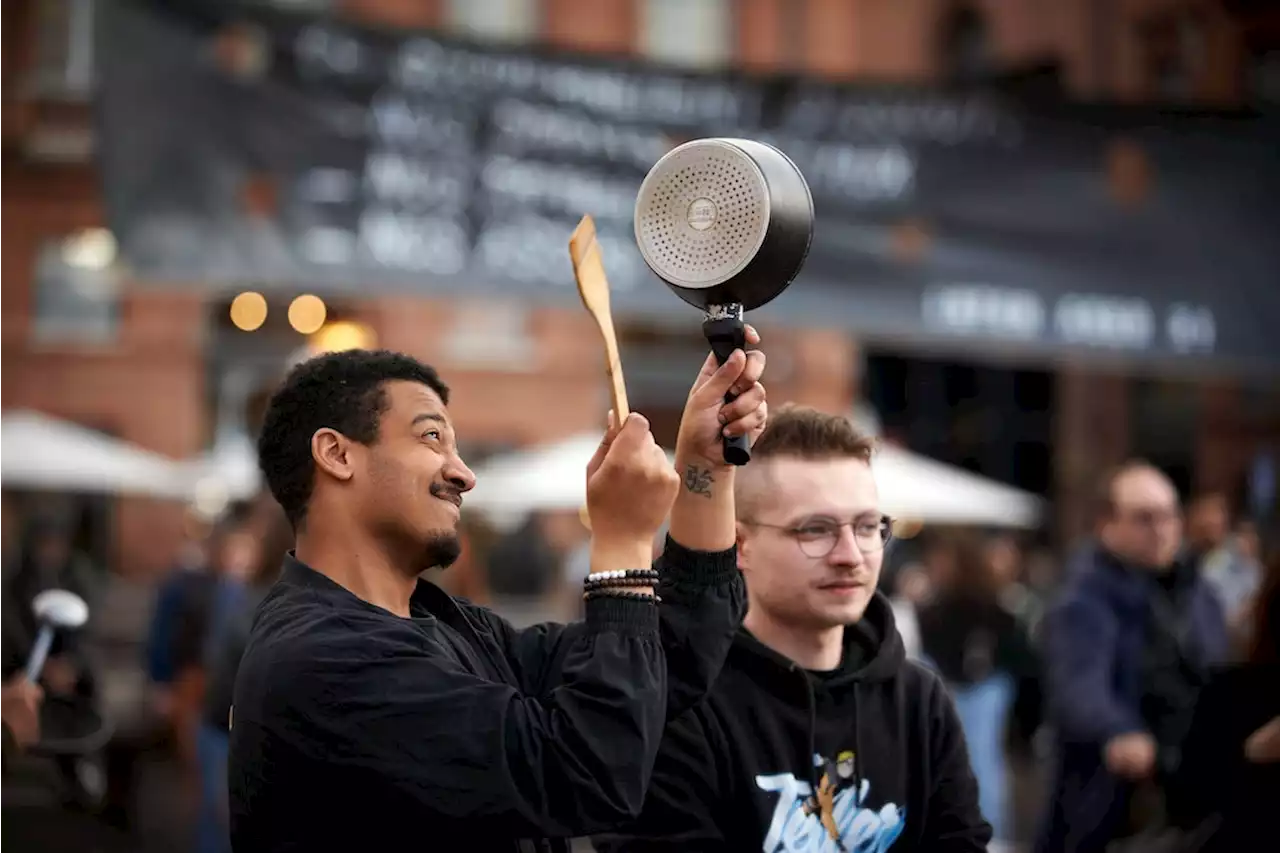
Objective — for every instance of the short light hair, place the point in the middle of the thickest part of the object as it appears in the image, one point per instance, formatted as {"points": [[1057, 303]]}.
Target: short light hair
{"points": [[799, 432], [807, 433]]}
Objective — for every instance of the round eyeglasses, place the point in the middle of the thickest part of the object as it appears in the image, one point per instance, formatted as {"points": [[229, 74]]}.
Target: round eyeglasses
{"points": [[817, 539]]}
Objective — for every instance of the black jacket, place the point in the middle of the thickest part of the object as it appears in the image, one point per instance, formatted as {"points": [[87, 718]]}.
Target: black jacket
{"points": [[353, 728], [878, 739], [1215, 780]]}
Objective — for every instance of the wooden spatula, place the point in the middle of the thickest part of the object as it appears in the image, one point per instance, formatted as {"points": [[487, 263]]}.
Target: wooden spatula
{"points": [[593, 287]]}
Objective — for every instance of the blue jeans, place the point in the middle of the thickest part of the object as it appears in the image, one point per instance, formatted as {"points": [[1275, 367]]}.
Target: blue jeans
{"points": [[983, 709], [211, 828]]}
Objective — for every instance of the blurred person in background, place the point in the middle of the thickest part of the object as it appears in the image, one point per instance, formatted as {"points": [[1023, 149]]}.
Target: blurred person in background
{"points": [[1232, 572], [156, 737], [1249, 542], [207, 581], [1004, 558], [1127, 649], [257, 548], [20, 700], [1229, 776], [980, 650], [911, 591], [1024, 600], [818, 734], [175, 637], [50, 560]]}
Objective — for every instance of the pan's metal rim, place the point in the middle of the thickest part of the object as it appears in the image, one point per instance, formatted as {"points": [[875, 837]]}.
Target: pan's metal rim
{"points": [[758, 173]]}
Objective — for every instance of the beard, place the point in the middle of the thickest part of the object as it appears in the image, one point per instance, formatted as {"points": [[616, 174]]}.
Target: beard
{"points": [[441, 550]]}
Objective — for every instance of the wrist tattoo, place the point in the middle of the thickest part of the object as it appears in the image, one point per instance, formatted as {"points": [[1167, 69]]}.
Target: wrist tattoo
{"points": [[698, 480]]}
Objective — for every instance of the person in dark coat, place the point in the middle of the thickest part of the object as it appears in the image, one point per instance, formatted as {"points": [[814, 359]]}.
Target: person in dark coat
{"points": [[1127, 648], [370, 705], [1228, 779]]}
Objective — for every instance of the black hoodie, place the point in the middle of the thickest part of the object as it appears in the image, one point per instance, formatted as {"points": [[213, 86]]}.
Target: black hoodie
{"points": [[878, 739]]}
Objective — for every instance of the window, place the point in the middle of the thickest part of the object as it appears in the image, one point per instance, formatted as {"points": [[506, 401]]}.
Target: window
{"points": [[77, 290], [692, 33], [494, 20]]}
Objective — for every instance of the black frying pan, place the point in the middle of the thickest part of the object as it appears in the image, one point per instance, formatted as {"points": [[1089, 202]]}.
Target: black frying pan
{"points": [[727, 224]]}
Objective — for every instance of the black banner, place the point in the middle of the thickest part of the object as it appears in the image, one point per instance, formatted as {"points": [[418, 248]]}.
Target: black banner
{"points": [[409, 161]]}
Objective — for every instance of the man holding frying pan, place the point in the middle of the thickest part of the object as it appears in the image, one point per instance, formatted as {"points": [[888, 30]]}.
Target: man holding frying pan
{"points": [[370, 705]]}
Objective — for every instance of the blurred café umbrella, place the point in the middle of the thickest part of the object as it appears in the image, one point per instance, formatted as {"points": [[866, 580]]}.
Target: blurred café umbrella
{"points": [[924, 490], [549, 477], [228, 472], [44, 453], [553, 477]]}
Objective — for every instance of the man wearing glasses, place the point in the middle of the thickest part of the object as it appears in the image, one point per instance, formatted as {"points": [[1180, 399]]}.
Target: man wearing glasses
{"points": [[818, 734], [1127, 646]]}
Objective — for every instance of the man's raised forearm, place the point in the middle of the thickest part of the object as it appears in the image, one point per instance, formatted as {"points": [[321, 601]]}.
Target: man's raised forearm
{"points": [[702, 517]]}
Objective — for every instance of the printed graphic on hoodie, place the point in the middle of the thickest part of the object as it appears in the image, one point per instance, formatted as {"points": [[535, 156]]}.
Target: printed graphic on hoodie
{"points": [[833, 817]]}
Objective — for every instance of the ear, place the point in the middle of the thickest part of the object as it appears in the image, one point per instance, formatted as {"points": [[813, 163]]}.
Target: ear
{"points": [[331, 451]]}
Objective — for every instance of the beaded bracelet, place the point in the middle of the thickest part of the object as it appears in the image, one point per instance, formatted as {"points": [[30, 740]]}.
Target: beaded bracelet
{"points": [[620, 593], [614, 584], [649, 576]]}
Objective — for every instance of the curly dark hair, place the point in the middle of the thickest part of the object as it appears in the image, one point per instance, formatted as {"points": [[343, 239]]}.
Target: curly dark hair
{"points": [[342, 391]]}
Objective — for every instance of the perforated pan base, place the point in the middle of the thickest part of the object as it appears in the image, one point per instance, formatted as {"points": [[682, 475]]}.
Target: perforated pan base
{"points": [[702, 213]]}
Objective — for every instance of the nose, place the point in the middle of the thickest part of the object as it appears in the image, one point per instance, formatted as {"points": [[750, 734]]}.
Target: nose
{"points": [[459, 475], [846, 552]]}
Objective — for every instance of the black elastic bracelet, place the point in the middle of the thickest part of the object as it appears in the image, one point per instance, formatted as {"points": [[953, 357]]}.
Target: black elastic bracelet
{"points": [[614, 584], [620, 593]]}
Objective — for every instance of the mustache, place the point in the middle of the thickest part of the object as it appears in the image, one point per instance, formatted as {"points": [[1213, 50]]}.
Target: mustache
{"points": [[446, 492], [861, 580]]}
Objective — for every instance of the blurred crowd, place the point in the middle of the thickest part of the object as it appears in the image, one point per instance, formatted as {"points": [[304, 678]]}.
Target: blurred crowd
{"points": [[1100, 694]]}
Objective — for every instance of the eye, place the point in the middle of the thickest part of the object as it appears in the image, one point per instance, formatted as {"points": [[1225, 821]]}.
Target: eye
{"points": [[433, 434], [813, 531]]}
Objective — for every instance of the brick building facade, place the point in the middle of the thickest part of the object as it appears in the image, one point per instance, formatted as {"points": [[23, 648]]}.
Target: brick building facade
{"points": [[149, 385]]}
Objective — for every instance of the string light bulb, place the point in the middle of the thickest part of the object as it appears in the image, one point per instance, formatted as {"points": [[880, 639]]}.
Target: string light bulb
{"points": [[307, 313], [249, 311]]}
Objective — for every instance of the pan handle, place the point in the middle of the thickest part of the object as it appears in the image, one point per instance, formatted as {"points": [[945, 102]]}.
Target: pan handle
{"points": [[726, 334]]}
